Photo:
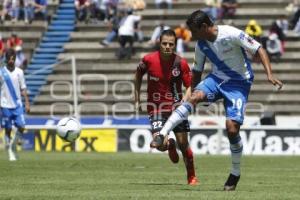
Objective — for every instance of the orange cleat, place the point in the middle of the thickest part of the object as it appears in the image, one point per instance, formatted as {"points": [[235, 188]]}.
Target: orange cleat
{"points": [[193, 180], [173, 155]]}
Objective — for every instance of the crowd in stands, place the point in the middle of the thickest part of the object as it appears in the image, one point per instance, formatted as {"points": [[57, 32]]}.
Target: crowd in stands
{"points": [[123, 21], [16, 43], [27, 10], [124, 26]]}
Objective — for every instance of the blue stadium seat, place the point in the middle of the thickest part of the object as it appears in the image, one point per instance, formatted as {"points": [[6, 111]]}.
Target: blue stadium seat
{"points": [[49, 50], [58, 39], [41, 71], [63, 17], [51, 44], [44, 56], [43, 61], [65, 12], [57, 33], [63, 22], [60, 28], [35, 82], [67, 6]]}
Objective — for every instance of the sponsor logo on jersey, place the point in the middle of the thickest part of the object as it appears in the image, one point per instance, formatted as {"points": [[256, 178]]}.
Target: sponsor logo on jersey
{"points": [[250, 40], [153, 78], [242, 36], [175, 72]]}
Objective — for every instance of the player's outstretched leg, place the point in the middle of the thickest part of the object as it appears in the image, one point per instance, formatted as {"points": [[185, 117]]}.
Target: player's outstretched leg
{"points": [[179, 115]]}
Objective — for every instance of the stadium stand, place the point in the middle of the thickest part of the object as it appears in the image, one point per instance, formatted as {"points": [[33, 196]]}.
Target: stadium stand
{"points": [[52, 42], [92, 58]]}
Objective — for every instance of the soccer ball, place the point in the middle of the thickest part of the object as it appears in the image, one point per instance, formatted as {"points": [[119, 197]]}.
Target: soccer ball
{"points": [[68, 129]]}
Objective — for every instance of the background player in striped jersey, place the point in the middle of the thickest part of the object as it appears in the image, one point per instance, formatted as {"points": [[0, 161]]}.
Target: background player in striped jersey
{"points": [[230, 80], [13, 85]]}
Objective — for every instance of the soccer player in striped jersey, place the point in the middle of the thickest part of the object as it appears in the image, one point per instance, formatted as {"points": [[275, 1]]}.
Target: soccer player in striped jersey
{"points": [[231, 78], [12, 85]]}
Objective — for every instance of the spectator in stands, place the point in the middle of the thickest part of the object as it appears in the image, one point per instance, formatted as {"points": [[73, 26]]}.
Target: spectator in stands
{"points": [[16, 43], [16, 8], [103, 9], [280, 27], [126, 34], [135, 4], [28, 11], [113, 25], [21, 61], [163, 4], [138, 33], [82, 10], [183, 38], [155, 38], [2, 49], [112, 8], [254, 30], [13, 41], [293, 10], [274, 47], [96, 13], [40, 9], [212, 8], [228, 8], [9, 9]]}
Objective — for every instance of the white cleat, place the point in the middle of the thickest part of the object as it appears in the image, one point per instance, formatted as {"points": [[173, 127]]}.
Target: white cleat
{"points": [[11, 154]]}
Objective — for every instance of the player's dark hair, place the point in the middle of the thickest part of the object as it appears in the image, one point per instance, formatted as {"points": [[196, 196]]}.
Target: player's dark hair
{"points": [[168, 32], [197, 18], [9, 53]]}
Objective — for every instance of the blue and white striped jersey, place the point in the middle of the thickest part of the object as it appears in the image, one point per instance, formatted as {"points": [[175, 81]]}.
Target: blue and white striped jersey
{"points": [[228, 54], [11, 84]]}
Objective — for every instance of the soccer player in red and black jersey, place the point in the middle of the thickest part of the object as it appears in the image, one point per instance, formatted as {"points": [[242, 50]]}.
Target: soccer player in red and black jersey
{"points": [[166, 73]]}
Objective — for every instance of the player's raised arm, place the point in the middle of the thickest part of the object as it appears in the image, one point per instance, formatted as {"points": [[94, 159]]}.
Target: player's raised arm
{"points": [[255, 48], [262, 54]]}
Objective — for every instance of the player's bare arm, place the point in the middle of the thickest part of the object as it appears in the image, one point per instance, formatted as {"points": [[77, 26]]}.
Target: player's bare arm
{"points": [[261, 53], [137, 85], [187, 94], [27, 104], [195, 96]]}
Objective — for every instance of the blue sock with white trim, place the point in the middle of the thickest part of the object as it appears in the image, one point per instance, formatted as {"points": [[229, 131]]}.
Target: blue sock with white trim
{"points": [[181, 113], [236, 148]]}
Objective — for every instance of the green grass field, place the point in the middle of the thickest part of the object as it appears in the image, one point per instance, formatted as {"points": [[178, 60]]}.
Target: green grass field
{"points": [[142, 176]]}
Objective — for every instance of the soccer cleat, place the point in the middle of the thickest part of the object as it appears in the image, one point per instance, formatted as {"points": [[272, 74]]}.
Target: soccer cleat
{"points": [[192, 180], [231, 182], [172, 152], [157, 141], [11, 155]]}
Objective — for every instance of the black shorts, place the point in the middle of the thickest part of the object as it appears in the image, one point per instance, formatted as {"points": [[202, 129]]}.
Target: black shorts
{"points": [[158, 121]]}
